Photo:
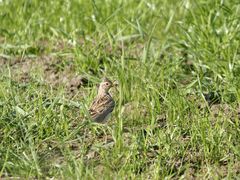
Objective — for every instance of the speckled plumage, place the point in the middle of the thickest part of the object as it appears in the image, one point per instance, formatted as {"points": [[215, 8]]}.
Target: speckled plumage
{"points": [[103, 105]]}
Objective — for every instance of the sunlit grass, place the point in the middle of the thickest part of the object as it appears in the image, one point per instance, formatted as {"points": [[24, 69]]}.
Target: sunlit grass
{"points": [[167, 56]]}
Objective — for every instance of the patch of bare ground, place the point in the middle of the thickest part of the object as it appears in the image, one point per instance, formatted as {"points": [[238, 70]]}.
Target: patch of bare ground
{"points": [[2, 62], [48, 62], [134, 110], [55, 73], [214, 106], [63, 76], [50, 151], [220, 171], [86, 146], [20, 70], [224, 110], [95, 144]]}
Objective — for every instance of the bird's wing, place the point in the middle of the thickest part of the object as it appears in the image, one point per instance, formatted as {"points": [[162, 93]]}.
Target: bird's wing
{"points": [[101, 107]]}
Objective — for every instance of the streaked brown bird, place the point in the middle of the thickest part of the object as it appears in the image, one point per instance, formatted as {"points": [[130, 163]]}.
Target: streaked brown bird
{"points": [[103, 105]]}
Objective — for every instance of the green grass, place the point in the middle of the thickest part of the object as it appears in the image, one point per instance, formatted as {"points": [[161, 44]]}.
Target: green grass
{"points": [[166, 55]]}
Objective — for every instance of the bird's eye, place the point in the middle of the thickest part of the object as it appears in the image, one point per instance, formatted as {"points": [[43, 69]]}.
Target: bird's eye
{"points": [[107, 84]]}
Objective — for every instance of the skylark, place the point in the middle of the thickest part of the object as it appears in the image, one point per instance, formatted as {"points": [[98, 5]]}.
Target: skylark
{"points": [[103, 105]]}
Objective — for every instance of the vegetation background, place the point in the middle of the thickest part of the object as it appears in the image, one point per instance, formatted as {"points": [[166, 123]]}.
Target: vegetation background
{"points": [[177, 64]]}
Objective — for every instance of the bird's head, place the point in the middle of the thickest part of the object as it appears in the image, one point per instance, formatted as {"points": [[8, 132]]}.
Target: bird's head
{"points": [[105, 85]]}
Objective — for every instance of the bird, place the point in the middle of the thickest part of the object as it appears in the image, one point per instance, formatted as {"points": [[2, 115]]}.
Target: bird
{"points": [[103, 104]]}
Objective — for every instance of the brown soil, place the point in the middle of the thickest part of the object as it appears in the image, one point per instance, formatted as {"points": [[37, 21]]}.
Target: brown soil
{"points": [[54, 72]]}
